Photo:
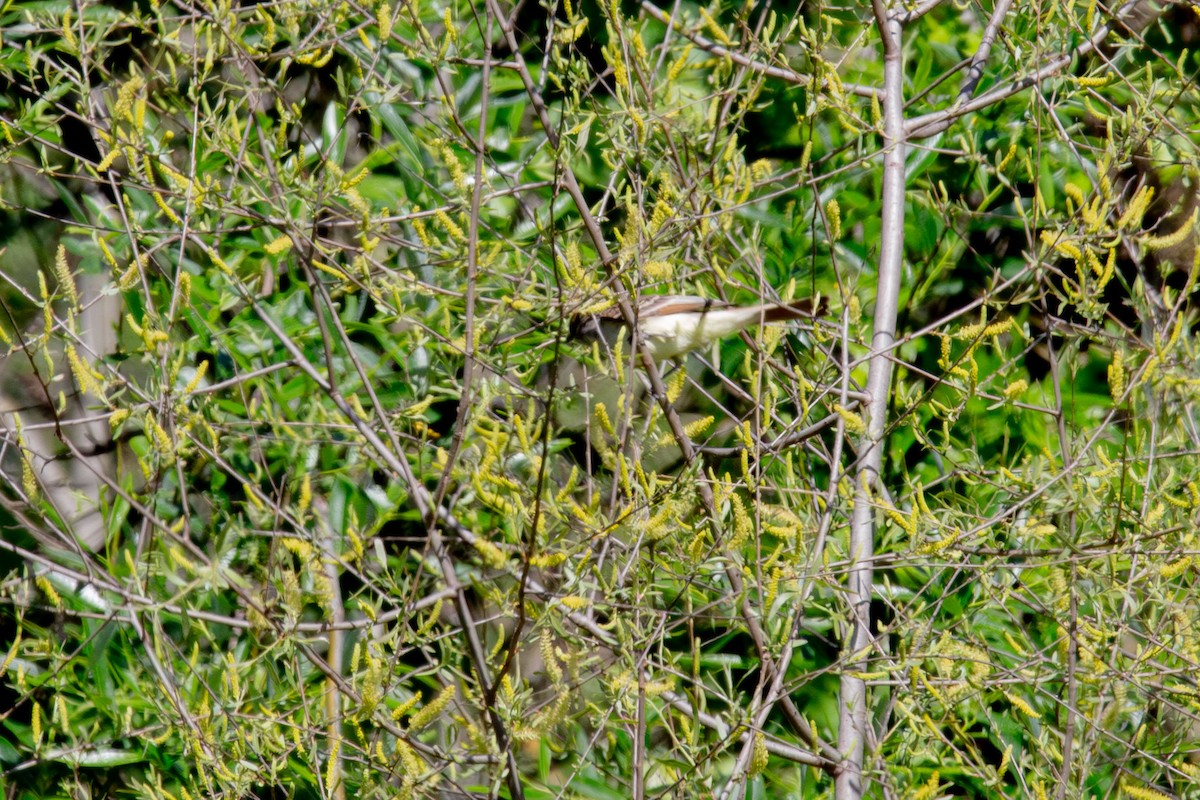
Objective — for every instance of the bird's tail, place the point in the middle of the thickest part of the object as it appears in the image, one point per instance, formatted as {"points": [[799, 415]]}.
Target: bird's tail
{"points": [[808, 307]]}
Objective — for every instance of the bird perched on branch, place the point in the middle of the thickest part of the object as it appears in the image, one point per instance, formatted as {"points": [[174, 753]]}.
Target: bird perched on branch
{"points": [[672, 325]]}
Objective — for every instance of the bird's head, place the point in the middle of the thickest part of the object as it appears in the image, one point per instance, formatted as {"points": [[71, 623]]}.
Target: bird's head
{"points": [[585, 327]]}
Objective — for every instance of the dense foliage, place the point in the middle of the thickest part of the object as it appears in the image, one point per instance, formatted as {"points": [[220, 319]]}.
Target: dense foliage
{"points": [[308, 492]]}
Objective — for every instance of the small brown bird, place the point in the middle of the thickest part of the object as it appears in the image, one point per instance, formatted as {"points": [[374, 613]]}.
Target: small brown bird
{"points": [[672, 325]]}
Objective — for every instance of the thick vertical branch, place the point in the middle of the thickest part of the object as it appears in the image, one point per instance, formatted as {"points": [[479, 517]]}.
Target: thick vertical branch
{"points": [[852, 729]]}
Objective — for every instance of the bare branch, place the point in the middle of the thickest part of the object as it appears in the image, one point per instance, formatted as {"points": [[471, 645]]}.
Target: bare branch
{"points": [[853, 725]]}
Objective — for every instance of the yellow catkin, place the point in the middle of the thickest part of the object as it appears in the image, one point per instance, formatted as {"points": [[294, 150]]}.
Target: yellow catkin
{"points": [[433, 709], [1132, 218], [1116, 377], [679, 64], [1008, 157], [1005, 760], [334, 271], [1143, 793], [383, 18], [760, 757], [449, 225], [714, 28], [167, 211], [743, 525], [929, 788], [130, 276], [1156, 243], [600, 412], [676, 385], [658, 271], [897, 517], [66, 281], [277, 246], [1021, 705], [48, 589], [1176, 568], [123, 107], [35, 725], [833, 213], [198, 376], [331, 770], [492, 555], [698, 427], [854, 422], [84, 377], [107, 162], [28, 479], [1016, 389]]}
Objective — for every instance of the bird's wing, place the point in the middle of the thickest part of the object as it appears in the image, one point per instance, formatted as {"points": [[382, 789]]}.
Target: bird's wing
{"points": [[655, 305]]}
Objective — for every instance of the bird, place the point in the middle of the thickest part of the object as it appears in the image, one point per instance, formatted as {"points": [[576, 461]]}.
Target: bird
{"points": [[672, 325]]}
